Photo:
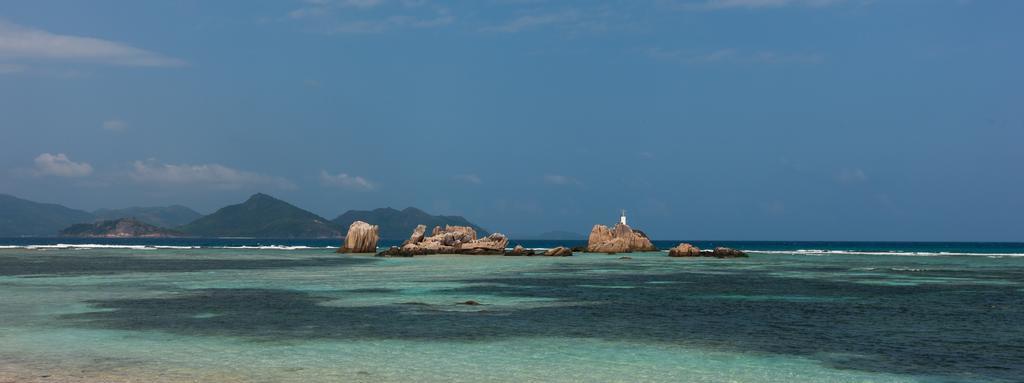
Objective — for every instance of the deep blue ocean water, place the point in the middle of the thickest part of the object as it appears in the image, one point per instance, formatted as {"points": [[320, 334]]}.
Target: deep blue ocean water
{"points": [[284, 310]]}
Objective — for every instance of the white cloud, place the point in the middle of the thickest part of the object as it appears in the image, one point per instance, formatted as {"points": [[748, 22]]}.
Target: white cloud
{"points": [[23, 43], [752, 4], [61, 166], [469, 178], [212, 175], [115, 125], [556, 179], [343, 180]]}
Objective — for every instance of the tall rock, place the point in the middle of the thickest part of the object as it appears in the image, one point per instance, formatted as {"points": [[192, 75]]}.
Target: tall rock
{"points": [[619, 239], [417, 234], [361, 238]]}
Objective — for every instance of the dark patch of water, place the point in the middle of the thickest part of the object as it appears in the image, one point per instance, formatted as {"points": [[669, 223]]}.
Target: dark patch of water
{"points": [[41, 264], [962, 333]]}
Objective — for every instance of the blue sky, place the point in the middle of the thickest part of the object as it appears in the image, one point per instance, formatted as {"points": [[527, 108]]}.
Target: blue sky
{"points": [[706, 119]]}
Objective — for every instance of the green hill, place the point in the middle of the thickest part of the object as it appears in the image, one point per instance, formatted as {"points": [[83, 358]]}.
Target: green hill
{"points": [[162, 216], [118, 228], [262, 216], [398, 224], [24, 218]]}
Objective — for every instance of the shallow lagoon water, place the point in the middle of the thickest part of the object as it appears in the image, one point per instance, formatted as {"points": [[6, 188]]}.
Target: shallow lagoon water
{"points": [[309, 315]]}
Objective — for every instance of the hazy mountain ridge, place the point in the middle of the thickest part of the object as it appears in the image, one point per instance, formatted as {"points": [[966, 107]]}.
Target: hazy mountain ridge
{"points": [[557, 235], [399, 224], [263, 216], [23, 218], [162, 216]]}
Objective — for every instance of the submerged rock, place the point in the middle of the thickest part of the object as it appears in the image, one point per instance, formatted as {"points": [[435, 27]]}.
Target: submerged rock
{"points": [[361, 238], [395, 251], [684, 250], [725, 252], [619, 239]]}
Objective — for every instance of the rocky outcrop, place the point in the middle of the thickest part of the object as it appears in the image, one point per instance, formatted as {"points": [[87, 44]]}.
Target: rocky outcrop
{"points": [[684, 250], [493, 244], [559, 251], [448, 240], [725, 252], [361, 238], [619, 239]]}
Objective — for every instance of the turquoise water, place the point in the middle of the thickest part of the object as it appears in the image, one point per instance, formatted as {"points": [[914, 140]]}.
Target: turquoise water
{"points": [[307, 315]]}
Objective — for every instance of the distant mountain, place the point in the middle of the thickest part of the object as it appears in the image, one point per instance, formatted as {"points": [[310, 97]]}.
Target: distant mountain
{"points": [[263, 216], [557, 235], [118, 228], [398, 224], [24, 218], [162, 216]]}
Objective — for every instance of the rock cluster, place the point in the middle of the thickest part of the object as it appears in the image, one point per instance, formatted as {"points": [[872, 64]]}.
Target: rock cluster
{"points": [[361, 238], [684, 250], [725, 252], [619, 239], [447, 240], [688, 250]]}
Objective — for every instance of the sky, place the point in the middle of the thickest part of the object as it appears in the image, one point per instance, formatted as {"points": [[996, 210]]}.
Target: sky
{"points": [[704, 119]]}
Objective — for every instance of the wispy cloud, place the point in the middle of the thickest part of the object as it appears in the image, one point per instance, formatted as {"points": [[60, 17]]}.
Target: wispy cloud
{"points": [[557, 179], [469, 178], [730, 55], [372, 16], [346, 181], [851, 176], [750, 4], [527, 22], [210, 175], [115, 125], [572, 21], [60, 165], [314, 8], [20, 43], [8, 68]]}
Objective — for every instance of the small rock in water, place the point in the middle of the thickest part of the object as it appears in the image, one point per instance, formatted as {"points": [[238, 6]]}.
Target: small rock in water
{"points": [[471, 303], [626, 257], [725, 252]]}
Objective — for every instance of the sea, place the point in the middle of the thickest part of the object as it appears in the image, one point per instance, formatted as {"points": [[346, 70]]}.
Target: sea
{"points": [[248, 310]]}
